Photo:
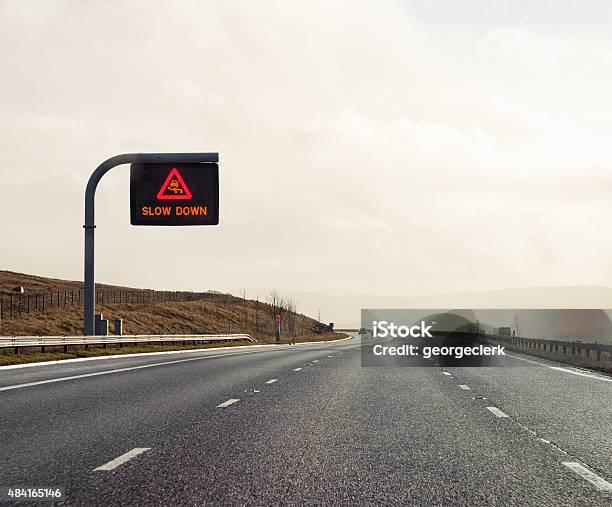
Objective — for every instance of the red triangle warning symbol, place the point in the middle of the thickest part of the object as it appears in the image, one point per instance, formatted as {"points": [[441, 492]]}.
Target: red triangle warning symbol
{"points": [[174, 187]]}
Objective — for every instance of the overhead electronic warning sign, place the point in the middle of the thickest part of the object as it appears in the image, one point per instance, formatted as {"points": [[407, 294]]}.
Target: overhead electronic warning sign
{"points": [[174, 194]]}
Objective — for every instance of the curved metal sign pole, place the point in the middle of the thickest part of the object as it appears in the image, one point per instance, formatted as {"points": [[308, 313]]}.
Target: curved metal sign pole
{"points": [[90, 225]]}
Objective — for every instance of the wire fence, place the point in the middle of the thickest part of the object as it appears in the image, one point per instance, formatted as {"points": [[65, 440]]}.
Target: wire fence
{"points": [[20, 305]]}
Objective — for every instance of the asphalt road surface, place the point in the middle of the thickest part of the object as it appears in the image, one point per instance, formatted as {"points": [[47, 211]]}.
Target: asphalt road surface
{"points": [[306, 424]]}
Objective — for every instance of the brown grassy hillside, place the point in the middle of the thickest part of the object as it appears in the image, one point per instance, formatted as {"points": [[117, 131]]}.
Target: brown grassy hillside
{"points": [[220, 314]]}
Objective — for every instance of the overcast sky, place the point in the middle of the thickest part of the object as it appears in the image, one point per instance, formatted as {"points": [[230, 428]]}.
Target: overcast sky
{"points": [[381, 147]]}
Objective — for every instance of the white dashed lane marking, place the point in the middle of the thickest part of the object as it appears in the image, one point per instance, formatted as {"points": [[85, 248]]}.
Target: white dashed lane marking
{"points": [[228, 403], [464, 387], [111, 465], [497, 412], [297, 369], [271, 381], [586, 474], [446, 373]]}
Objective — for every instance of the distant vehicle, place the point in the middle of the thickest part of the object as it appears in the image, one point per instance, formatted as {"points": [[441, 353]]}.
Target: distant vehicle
{"points": [[504, 331], [363, 331], [322, 328]]}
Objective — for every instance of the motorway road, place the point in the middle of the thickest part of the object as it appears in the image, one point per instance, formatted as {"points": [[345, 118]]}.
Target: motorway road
{"points": [[311, 426]]}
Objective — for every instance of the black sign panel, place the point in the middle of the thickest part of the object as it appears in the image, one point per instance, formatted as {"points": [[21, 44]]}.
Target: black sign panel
{"points": [[174, 194]]}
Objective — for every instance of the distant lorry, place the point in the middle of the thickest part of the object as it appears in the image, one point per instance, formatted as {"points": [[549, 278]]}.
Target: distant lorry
{"points": [[322, 328], [504, 331]]}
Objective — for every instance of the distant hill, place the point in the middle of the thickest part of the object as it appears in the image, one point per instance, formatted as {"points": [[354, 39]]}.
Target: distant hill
{"points": [[345, 310]]}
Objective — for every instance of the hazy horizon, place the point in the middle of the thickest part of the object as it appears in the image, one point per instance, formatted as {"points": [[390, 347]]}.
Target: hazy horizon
{"points": [[344, 310]]}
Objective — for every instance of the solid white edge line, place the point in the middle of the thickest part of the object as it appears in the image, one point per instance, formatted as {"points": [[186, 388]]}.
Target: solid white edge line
{"points": [[581, 374], [541, 361], [168, 352], [464, 387], [111, 465], [227, 403], [586, 474], [117, 370], [271, 381], [497, 412]]}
